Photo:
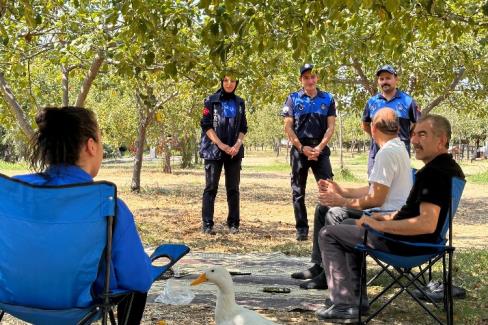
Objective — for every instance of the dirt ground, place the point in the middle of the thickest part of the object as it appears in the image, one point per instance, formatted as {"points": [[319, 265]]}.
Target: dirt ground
{"points": [[168, 210]]}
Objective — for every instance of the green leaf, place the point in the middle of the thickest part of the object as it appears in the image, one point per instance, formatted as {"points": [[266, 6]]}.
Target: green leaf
{"points": [[392, 5], [171, 69], [367, 4], [29, 14], [203, 4], [149, 58]]}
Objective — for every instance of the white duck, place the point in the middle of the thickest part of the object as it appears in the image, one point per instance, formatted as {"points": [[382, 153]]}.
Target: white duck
{"points": [[227, 312]]}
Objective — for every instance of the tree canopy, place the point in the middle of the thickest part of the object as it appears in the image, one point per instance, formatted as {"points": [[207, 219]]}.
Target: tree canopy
{"points": [[106, 54]]}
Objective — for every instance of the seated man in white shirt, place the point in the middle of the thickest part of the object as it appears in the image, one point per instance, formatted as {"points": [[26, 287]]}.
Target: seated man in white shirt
{"points": [[390, 182]]}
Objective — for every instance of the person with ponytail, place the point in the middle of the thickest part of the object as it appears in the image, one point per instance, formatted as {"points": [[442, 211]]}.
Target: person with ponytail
{"points": [[67, 149], [224, 126]]}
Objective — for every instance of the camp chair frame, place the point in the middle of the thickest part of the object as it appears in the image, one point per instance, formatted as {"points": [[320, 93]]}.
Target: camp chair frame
{"points": [[103, 304], [402, 274]]}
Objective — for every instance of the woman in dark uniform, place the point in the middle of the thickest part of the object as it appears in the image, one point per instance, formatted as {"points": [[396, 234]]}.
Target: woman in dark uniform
{"points": [[224, 126]]}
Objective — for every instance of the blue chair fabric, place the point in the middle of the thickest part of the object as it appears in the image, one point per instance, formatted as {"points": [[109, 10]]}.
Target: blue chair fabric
{"points": [[53, 241], [402, 274]]}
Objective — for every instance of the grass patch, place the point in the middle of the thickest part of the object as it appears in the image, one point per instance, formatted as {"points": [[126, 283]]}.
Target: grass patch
{"points": [[480, 178], [12, 166], [275, 167], [346, 175], [470, 273]]}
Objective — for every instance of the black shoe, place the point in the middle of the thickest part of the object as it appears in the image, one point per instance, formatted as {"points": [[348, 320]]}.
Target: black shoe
{"points": [[308, 274], [302, 234], [208, 231], [364, 307], [233, 230], [435, 291], [339, 314], [319, 282]]}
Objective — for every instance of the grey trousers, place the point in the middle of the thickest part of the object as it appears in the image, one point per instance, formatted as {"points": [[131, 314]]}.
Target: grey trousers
{"points": [[342, 264], [325, 216]]}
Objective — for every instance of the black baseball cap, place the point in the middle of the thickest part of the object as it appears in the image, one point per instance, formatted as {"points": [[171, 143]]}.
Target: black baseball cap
{"points": [[386, 68], [306, 67]]}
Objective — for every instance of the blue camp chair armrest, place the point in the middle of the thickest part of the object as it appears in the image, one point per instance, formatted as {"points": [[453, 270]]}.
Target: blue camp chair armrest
{"points": [[173, 252], [404, 242]]}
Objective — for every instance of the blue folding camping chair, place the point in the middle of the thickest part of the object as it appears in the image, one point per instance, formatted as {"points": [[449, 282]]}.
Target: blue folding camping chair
{"points": [[401, 267], [54, 240]]}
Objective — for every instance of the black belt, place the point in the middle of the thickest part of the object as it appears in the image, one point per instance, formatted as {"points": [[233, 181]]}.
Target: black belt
{"points": [[310, 142]]}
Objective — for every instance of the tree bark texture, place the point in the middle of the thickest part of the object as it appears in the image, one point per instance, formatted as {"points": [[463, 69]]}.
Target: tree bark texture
{"points": [[90, 76], [15, 108]]}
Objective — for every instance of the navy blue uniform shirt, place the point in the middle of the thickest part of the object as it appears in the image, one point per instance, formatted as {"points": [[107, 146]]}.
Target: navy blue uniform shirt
{"points": [[403, 104], [309, 114], [227, 116]]}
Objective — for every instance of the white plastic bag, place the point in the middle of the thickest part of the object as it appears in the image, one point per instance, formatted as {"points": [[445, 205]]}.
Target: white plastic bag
{"points": [[175, 293]]}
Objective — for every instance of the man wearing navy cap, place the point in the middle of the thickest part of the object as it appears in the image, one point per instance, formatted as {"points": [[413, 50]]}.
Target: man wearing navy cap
{"points": [[309, 116], [403, 104]]}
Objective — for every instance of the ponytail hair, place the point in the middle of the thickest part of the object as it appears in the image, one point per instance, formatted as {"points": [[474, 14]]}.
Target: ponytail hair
{"points": [[60, 136]]}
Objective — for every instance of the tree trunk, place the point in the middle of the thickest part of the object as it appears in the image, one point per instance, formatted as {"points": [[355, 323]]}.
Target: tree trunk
{"points": [[141, 139], [187, 149], [166, 151], [65, 85], [367, 84], [196, 154], [15, 108], [167, 158], [446, 93], [90, 76]]}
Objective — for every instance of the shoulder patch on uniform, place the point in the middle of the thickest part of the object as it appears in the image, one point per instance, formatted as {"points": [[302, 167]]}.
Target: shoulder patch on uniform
{"points": [[205, 111], [285, 110]]}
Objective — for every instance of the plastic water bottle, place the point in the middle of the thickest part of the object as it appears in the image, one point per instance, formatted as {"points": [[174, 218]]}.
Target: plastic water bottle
{"points": [[175, 293]]}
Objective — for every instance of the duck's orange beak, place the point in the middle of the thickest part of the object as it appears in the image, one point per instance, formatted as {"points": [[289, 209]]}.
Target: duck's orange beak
{"points": [[202, 278]]}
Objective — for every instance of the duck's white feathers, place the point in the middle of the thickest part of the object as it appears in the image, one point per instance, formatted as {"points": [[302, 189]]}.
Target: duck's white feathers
{"points": [[227, 311]]}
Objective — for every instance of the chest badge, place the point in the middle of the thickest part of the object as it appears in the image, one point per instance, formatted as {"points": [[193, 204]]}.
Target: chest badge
{"points": [[323, 107]]}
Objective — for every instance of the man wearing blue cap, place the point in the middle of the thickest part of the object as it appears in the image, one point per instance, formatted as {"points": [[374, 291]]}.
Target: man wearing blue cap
{"points": [[403, 104], [309, 116]]}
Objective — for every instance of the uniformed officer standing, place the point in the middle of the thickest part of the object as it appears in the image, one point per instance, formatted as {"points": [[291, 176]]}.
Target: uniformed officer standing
{"points": [[403, 104], [224, 126], [309, 116]]}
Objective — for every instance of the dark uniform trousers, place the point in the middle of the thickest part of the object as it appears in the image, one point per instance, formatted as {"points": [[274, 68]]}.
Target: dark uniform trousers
{"points": [[300, 165], [213, 169]]}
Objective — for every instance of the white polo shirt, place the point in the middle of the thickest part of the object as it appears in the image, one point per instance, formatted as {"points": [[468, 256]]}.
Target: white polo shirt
{"points": [[392, 168]]}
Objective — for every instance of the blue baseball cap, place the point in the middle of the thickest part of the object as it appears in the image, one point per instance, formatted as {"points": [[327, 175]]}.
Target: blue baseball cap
{"points": [[306, 67], [386, 68]]}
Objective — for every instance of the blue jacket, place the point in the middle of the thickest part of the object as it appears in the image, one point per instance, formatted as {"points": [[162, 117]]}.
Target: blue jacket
{"points": [[227, 116], [130, 264]]}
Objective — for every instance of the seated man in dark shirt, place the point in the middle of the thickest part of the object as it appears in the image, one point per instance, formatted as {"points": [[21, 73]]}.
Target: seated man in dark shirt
{"points": [[420, 219]]}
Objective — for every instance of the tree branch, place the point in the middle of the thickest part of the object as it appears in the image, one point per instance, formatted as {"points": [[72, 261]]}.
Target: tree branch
{"points": [[30, 85], [445, 94], [65, 84], [362, 76], [412, 83], [90, 76], [15, 108], [346, 81], [164, 101]]}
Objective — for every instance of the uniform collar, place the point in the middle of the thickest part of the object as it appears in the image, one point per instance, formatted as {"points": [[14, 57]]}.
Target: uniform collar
{"points": [[72, 172], [302, 93], [397, 95]]}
